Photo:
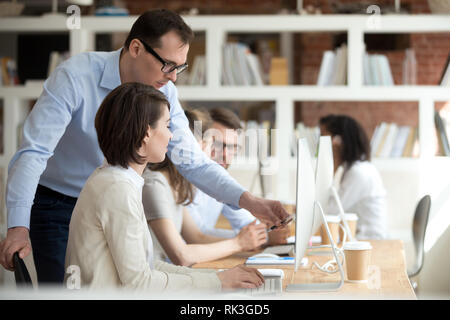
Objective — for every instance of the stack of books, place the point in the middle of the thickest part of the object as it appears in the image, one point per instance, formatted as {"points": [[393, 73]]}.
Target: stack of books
{"points": [[333, 69], [312, 135], [198, 74], [240, 66], [390, 140], [256, 140], [377, 71]]}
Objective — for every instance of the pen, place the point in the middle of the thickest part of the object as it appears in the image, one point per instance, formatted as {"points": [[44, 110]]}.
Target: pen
{"points": [[283, 223]]}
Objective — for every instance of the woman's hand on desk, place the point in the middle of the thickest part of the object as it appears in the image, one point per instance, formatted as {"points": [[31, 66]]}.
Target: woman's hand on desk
{"points": [[252, 236], [270, 212], [240, 277]]}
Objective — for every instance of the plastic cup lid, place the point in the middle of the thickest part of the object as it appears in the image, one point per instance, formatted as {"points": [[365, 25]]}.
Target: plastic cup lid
{"points": [[351, 216], [333, 218], [357, 245]]}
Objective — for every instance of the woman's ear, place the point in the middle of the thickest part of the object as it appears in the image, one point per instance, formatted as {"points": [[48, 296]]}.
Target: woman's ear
{"points": [[336, 141], [148, 135]]}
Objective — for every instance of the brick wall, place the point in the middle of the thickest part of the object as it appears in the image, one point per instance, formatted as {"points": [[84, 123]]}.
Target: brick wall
{"points": [[431, 52]]}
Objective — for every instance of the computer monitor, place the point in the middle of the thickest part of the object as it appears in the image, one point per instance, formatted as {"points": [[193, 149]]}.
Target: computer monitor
{"points": [[305, 197], [304, 219], [324, 184], [324, 178]]}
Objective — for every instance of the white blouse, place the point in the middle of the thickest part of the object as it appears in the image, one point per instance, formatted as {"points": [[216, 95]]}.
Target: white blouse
{"points": [[361, 191], [110, 242]]}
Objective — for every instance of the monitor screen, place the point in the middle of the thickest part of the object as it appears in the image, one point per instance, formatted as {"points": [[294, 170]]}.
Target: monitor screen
{"points": [[324, 174], [305, 197]]}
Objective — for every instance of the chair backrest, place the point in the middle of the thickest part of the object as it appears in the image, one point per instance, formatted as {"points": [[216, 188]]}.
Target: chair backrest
{"points": [[419, 228], [21, 274]]}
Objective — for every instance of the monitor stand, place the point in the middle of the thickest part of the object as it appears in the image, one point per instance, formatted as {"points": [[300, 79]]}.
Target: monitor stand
{"points": [[321, 286], [345, 228]]}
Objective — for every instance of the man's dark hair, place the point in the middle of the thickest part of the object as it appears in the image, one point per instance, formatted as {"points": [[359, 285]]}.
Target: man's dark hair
{"points": [[226, 118], [123, 119], [152, 25], [198, 114], [355, 143]]}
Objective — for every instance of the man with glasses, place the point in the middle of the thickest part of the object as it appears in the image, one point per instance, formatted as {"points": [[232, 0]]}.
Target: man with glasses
{"points": [[206, 210], [60, 148]]}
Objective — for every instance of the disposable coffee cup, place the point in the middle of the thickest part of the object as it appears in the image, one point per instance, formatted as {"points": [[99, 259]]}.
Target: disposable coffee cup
{"points": [[357, 259], [352, 220], [333, 225]]}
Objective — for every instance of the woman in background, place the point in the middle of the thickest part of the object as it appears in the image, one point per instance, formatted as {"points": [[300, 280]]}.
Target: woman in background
{"points": [[360, 187]]}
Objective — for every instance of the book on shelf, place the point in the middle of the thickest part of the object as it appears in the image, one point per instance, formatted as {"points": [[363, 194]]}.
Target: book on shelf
{"points": [[198, 74], [391, 140], [400, 141], [333, 68], [312, 135], [441, 134], [9, 75], [376, 137], [257, 140], [445, 77], [279, 71], [376, 70], [411, 142], [240, 65], [326, 68]]}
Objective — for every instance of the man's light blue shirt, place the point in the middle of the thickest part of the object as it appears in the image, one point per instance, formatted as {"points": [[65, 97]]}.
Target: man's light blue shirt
{"points": [[60, 148], [206, 210]]}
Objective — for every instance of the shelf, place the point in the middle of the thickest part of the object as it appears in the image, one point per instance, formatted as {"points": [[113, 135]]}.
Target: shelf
{"points": [[314, 93], [245, 23], [297, 92]]}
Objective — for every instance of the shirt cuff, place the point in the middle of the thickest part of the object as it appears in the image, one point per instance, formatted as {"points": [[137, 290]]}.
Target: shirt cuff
{"points": [[234, 195], [19, 217]]}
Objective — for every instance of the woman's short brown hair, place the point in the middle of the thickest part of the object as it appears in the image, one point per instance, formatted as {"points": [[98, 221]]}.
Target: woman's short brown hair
{"points": [[123, 119]]}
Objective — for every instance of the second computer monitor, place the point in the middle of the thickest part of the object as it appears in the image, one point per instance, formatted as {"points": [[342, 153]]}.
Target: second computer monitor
{"points": [[305, 197], [324, 178]]}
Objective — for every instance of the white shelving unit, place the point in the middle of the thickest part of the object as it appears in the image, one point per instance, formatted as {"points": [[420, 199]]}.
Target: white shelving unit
{"points": [[216, 29]]}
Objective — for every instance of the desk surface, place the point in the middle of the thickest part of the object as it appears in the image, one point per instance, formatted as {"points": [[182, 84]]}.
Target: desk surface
{"points": [[387, 256]]}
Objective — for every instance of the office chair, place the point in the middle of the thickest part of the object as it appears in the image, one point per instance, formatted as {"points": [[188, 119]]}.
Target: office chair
{"points": [[21, 274], [418, 230]]}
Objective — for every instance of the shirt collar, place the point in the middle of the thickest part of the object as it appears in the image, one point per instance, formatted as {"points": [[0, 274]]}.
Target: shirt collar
{"points": [[111, 72], [130, 172]]}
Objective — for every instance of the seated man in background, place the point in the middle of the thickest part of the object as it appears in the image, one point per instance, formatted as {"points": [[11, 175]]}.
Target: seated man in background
{"points": [[206, 210]]}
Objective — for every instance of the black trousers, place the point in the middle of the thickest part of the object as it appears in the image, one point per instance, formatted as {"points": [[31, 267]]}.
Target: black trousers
{"points": [[49, 231]]}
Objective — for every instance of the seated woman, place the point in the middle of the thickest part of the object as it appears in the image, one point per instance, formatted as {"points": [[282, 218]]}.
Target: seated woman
{"points": [[109, 238], [360, 187], [165, 196]]}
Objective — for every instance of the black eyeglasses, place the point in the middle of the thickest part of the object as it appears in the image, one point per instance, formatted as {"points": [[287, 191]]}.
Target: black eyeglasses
{"points": [[220, 146], [167, 67]]}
